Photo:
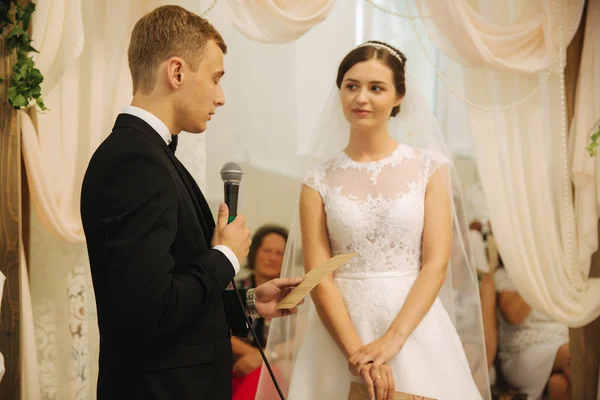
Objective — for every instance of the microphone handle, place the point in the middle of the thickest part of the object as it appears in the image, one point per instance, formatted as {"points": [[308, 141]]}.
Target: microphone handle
{"points": [[232, 191]]}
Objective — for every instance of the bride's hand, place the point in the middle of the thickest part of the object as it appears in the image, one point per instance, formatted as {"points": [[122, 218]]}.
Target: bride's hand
{"points": [[380, 381], [378, 352]]}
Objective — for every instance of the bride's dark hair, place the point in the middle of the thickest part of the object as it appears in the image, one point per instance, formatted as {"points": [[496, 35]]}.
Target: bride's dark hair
{"points": [[366, 53]]}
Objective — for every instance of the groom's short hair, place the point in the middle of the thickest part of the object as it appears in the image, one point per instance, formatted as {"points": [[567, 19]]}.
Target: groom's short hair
{"points": [[165, 32]]}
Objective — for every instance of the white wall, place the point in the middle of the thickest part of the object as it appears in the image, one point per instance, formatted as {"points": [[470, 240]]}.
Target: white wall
{"points": [[265, 197]]}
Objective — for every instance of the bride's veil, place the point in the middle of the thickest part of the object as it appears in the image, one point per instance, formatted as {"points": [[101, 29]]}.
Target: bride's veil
{"points": [[415, 125]]}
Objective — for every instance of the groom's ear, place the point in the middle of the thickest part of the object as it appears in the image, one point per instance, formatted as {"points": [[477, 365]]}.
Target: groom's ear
{"points": [[174, 72]]}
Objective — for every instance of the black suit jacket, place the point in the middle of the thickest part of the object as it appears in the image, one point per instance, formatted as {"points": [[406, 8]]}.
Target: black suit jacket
{"points": [[163, 313]]}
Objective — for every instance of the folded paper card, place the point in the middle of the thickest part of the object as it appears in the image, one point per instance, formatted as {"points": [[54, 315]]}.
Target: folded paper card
{"points": [[358, 391], [312, 279]]}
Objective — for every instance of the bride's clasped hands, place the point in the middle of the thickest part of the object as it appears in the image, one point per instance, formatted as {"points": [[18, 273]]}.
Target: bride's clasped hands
{"points": [[369, 362]]}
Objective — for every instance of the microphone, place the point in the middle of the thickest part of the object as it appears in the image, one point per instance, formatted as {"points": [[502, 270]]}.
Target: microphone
{"points": [[231, 174]]}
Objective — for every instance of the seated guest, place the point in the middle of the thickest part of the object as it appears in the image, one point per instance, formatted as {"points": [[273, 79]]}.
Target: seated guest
{"points": [[265, 259], [534, 349]]}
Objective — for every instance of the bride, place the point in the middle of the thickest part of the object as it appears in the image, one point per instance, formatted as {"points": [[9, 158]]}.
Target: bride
{"points": [[404, 314]]}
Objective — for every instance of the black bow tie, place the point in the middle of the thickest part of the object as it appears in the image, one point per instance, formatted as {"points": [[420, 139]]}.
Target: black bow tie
{"points": [[173, 144]]}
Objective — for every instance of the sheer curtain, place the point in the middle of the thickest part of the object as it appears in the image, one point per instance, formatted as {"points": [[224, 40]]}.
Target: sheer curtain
{"points": [[522, 157]]}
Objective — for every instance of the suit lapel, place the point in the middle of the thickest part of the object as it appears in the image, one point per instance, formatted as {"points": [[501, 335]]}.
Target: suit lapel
{"points": [[200, 204]]}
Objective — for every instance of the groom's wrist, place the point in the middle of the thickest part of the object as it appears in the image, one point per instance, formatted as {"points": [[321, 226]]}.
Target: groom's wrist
{"points": [[251, 304]]}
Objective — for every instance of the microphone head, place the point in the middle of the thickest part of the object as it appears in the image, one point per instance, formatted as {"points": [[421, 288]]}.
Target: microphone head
{"points": [[231, 172]]}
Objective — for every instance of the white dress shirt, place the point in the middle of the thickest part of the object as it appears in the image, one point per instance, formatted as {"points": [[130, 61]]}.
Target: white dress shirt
{"points": [[164, 132]]}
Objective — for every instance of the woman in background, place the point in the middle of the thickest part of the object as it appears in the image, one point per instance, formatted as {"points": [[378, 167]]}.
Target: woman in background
{"points": [[534, 349], [264, 260]]}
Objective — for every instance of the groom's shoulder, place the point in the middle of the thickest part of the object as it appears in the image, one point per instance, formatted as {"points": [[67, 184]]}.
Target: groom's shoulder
{"points": [[126, 140], [123, 147]]}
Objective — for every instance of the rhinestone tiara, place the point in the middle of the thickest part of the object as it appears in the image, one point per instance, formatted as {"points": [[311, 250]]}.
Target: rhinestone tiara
{"points": [[393, 52]]}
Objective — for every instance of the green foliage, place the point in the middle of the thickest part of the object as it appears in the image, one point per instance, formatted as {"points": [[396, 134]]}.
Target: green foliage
{"points": [[24, 90], [592, 148]]}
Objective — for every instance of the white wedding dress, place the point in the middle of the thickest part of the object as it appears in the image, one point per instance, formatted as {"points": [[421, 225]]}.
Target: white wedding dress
{"points": [[377, 209]]}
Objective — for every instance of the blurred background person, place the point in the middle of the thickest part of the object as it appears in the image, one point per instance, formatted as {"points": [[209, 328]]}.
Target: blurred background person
{"points": [[264, 263], [533, 349]]}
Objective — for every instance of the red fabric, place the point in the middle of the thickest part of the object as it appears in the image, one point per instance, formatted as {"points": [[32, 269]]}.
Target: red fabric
{"points": [[244, 387]]}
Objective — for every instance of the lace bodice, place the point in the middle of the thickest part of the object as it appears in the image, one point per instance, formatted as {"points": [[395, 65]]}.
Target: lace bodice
{"points": [[537, 329], [377, 208]]}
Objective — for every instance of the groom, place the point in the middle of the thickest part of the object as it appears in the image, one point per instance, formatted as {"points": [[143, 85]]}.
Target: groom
{"points": [[159, 264]]}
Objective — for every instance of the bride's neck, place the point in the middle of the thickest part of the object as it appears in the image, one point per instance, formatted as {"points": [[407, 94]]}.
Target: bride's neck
{"points": [[366, 145]]}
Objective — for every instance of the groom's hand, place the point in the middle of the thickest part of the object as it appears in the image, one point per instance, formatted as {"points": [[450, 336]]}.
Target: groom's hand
{"points": [[234, 235], [268, 295]]}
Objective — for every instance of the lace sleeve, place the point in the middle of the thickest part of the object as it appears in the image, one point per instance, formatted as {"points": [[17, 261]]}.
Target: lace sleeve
{"points": [[502, 281], [433, 161], [314, 179]]}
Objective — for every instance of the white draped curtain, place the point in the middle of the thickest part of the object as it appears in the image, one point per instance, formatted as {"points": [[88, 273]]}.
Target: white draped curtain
{"points": [[278, 21], [528, 42], [521, 148], [545, 240], [282, 60]]}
